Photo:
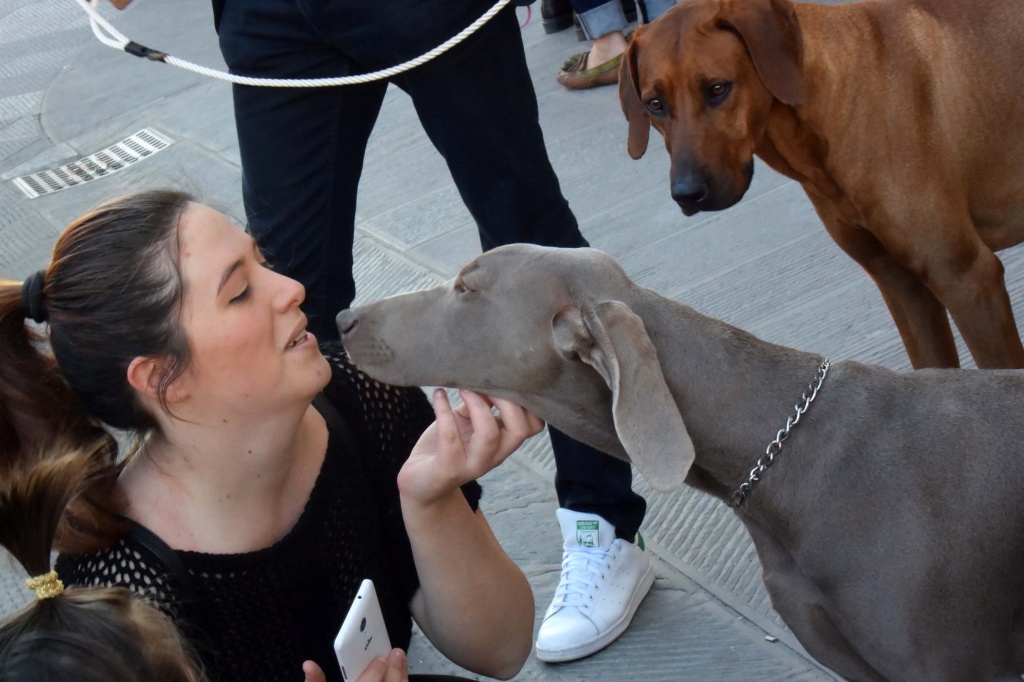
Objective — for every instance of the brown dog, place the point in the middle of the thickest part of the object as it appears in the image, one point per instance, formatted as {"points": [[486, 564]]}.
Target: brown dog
{"points": [[903, 120]]}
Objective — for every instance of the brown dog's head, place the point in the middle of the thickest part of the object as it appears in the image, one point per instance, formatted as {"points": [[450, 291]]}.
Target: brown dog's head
{"points": [[550, 329], [706, 74]]}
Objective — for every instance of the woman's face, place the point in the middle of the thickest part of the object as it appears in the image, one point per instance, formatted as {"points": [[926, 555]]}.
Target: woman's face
{"points": [[251, 352]]}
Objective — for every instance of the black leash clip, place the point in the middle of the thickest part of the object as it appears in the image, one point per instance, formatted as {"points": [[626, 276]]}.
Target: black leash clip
{"points": [[133, 48]]}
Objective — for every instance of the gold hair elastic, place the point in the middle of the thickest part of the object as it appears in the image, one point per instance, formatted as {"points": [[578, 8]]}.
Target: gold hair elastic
{"points": [[46, 585]]}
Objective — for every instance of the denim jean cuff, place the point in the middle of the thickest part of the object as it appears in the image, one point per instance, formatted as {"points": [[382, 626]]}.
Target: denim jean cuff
{"points": [[655, 8], [603, 20]]}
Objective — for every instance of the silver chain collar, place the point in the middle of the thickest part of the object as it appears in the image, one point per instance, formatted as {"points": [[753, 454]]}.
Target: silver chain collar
{"points": [[747, 487]]}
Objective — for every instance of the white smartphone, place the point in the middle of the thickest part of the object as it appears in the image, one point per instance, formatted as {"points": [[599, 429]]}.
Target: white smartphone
{"points": [[363, 635]]}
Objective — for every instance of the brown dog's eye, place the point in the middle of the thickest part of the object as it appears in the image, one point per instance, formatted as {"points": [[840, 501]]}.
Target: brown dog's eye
{"points": [[717, 92], [654, 105]]}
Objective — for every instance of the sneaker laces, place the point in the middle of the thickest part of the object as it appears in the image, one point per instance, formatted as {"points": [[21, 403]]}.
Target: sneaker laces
{"points": [[582, 570]]}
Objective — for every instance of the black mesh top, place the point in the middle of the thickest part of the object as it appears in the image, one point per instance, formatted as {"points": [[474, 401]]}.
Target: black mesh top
{"points": [[259, 615]]}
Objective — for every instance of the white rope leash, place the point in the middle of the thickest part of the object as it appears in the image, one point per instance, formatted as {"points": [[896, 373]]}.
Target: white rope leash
{"points": [[111, 37]]}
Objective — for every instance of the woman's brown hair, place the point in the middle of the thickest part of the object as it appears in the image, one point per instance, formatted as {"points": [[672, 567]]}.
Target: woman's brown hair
{"points": [[87, 634], [112, 292]]}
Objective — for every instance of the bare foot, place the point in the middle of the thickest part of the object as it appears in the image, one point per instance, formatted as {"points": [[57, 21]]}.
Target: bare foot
{"points": [[608, 46]]}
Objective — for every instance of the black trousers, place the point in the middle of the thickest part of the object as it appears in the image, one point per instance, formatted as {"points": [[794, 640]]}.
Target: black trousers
{"points": [[302, 155]]}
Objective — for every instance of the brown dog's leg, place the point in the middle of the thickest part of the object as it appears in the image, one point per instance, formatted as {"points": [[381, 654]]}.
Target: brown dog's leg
{"points": [[975, 294], [920, 318]]}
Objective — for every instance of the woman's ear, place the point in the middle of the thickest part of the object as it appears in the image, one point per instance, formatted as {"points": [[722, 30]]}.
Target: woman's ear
{"points": [[144, 376]]}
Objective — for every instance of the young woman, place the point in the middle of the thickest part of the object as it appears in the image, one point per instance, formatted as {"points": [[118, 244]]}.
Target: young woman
{"points": [[269, 480]]}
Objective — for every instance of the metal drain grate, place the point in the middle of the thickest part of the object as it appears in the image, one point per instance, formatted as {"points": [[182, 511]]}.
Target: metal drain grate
{"points": [[105, 162]]}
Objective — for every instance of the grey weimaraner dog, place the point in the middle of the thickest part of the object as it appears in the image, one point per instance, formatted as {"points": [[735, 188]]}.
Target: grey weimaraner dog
{"points": [[889, 529]]}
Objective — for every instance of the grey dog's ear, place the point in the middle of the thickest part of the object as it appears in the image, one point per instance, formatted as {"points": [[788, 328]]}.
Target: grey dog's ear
{"points": [[629, 98], [612, 339]]}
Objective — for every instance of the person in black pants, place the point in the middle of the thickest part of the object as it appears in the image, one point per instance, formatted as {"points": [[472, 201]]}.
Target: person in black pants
{"points": [[302, 154]]}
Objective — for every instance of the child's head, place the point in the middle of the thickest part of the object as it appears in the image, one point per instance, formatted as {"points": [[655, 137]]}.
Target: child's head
{"points": [[87, 634]]}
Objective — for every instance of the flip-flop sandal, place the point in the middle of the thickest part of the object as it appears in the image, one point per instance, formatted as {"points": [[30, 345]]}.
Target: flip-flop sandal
{"points": [[576, 76]]}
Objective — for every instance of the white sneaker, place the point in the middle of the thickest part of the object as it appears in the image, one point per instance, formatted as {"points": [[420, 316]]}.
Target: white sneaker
{"points": [[604, 579]]}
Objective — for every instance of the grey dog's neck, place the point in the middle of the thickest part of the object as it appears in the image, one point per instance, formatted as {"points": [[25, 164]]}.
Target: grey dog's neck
{"points": [[734, 391]]}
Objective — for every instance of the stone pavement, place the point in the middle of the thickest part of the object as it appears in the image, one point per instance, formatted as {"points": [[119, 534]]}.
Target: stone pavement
{"points": [[765, 265]]}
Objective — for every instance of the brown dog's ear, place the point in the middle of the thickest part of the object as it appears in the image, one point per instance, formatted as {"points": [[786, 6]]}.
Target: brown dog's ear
{"points": [[632, 107], [772, 34], [647, 420]]}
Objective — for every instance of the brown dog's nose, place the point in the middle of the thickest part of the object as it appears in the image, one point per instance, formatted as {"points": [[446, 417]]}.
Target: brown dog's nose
{"points": [[346, 321], [689, 188]]}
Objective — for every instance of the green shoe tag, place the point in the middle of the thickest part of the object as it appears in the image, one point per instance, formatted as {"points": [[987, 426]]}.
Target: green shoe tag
{"points": [[640, 541], [586, 533]]}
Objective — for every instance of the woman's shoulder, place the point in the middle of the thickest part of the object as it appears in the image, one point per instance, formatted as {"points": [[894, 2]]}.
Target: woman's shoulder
{"points": [[123, 564]]}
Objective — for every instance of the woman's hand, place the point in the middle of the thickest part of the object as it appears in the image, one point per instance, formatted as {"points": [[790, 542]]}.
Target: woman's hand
{"points": [[392, 668], [313, 672], [463, 444]]}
